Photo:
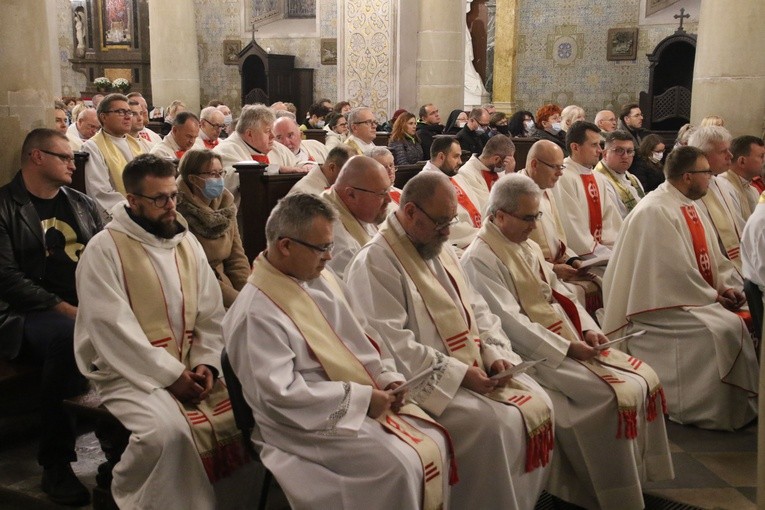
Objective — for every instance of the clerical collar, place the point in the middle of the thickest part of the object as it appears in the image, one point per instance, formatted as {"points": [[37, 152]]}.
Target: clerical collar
{"points": [[152, 227]]}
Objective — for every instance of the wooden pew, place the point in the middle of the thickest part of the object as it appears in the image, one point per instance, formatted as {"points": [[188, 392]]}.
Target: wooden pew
{"points": [[78, 177], [316, 134], [406, 172], [381, 139], [522, 147]]}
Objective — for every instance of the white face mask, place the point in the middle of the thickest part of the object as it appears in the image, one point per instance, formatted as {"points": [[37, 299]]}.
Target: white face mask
{"points": [[228, 119], [556, 127], [657, 156], [461, 124], [528, 124], [480, 130], [320, 124]]}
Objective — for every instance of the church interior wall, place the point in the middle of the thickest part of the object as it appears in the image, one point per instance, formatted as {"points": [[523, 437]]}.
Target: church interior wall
{"points": [[562, 52]]}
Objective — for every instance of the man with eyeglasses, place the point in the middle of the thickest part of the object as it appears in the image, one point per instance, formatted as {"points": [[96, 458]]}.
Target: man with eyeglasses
{"points": [[360, 196], [544, 165], [44, 226], [631, 121], [669, 278], [83, 128], [420, 303], [183, 136], [609, 424], [718, 204], [473, 136], [590, 219], [211, 123], [333, 434], [624, 189], [362, 126], [148, 335], [110, 150]]}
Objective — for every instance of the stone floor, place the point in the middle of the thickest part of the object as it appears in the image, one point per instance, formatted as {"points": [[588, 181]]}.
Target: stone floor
{"points": [[714, 470]]}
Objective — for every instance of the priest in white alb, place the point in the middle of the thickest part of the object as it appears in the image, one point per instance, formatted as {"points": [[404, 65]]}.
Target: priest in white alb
{"points": [[331, 431], [182, 137], [415, 295], [590, 219], [360, 198], [624, 189], [148, 335], [747, 163], [323, 176], [544, 164], [608, 406], [480, 172], [669, 278]]}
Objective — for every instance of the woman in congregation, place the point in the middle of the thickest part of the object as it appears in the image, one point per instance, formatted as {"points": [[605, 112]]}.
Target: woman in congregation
{"points": [[648, 167], [521, 124], [209, 209], [337, 130], [548, 125], [403, 142], [456, 121]]}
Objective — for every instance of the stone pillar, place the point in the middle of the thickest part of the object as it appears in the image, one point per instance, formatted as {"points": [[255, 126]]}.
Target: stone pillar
{"points": [[26, 91], [729, 73], [503, 88], [440, 54], [174, 61]]}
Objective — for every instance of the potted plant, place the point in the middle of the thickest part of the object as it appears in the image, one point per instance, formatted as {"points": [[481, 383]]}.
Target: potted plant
{"points": [[121, 85], [102, 84]]}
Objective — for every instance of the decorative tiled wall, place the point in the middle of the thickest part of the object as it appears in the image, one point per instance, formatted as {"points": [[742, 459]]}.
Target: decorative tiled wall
{"points": [[562, 54]]}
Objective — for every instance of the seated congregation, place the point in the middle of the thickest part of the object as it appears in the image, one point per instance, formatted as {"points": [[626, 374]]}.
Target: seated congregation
{"points": [[456, 341]]}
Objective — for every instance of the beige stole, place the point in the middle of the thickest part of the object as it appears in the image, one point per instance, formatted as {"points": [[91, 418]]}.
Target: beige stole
{"points": [[625, 195], [349, 221], [340, 364], [212, 424], [536, 307], [726, 229], [114, 158], [735, 180], [355, 149], [462, 340]]}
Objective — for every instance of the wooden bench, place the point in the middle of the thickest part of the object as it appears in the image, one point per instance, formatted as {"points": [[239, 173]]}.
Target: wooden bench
{"points": [[522, 147], [316, 134], [78, 177]]}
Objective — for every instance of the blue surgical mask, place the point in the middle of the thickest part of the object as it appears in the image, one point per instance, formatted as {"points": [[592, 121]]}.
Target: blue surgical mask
{"points": [[212, 188], [556, 127]]}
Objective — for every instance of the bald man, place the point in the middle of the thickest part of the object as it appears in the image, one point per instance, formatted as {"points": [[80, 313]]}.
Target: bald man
{"points": [[544, 164], [85, 126], [360, 197], [606, 121], [287, 132]]}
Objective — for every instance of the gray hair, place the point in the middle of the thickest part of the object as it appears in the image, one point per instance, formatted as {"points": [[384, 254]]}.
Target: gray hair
{"points": [[569, 114], [705, 137], [355, 114], [254, 115], [293, 216], [378, 151], [285, 113], [207, 112], [422, 186], [507, 192]]}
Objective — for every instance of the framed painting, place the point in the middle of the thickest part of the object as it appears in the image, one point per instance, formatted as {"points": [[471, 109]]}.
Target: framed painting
{"points": [[117, 23], [231, 49], [329, 52], [622, 44]]}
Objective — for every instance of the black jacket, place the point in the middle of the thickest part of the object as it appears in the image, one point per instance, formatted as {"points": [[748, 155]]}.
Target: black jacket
{"points": [[22, 257], [470, 141], [426, 133]]}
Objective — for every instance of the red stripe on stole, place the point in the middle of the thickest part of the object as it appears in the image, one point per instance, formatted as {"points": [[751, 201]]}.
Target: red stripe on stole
{"points": [[592, 194], [699, 240]]}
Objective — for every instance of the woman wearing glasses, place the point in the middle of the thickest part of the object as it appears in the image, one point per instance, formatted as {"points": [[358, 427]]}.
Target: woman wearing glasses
{"points": [[211, 214]]}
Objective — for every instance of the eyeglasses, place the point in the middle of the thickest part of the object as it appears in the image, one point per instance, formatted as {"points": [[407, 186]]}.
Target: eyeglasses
{"points": [[529, 218], [438, 225], [621, 151], [372, 123], [161, 201], [215, 126], [708, 172], [319, 249], [217, 175], [65, 158], [123, 113], [559, 168], [380, 194]]}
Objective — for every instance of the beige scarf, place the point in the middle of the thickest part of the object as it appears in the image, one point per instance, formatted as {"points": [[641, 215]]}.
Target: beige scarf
{"points": [[114, 158], [212, 424], [349, 221], [340, 364], [625, 195], [535, 305], [462, 341], [726, 229], [735, 180]]}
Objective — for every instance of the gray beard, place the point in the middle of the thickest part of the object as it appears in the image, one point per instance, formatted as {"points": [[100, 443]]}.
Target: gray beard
{"points": [[429, 251]]}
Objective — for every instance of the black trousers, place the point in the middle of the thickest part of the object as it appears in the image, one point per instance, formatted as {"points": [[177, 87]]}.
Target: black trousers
{"points": [[49, 342]]}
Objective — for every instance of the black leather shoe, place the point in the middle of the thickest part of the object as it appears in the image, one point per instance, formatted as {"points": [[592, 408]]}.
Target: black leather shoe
{"points": [[63, 487]]}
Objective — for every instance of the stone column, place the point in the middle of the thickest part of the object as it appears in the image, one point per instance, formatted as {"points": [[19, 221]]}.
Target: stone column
{"points": [[26, 90], [729, 73], [174, 61], [503, 88], [440, 54]]}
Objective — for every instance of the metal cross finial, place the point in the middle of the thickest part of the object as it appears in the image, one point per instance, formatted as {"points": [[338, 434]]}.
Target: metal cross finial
{"points": [[681, 17], [252, 24]]}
